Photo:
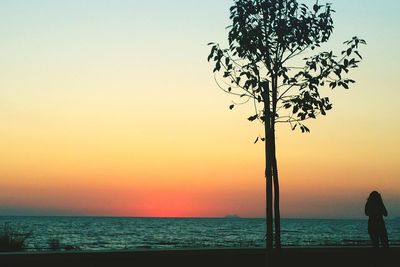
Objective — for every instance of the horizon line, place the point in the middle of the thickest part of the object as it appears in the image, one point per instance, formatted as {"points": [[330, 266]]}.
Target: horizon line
{"points": [[188, 217]]}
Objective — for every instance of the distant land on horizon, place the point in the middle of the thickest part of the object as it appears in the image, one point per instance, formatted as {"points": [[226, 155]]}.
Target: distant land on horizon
{"points": [[232, 216]]}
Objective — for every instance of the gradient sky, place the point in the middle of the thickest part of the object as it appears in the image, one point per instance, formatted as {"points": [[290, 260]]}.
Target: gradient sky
{"points": [[110, 108]]}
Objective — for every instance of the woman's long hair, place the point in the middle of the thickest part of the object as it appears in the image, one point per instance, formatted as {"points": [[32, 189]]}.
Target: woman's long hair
{"points": [[375, 197], [374, 206]]}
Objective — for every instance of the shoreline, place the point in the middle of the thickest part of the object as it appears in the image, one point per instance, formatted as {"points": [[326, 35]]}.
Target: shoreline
{"points": [[333, 256], [139, 249]]}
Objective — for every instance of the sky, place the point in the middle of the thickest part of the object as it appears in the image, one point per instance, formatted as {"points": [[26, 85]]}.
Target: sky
{"points": [[110, 108]]}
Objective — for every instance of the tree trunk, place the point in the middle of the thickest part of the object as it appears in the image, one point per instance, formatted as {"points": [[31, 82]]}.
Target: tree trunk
{"points": [[276, 194], [269, 194], [268, 170], [274, 163]]}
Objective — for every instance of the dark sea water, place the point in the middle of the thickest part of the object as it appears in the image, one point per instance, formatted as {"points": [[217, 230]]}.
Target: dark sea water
{"points": [[113, 233]]}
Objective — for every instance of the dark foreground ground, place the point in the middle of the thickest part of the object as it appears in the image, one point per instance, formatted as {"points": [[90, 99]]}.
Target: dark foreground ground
{"points": [[290, 257]]}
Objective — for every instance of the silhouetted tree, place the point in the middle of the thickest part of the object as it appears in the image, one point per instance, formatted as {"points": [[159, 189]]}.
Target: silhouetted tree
{"points": [[264, 64]]}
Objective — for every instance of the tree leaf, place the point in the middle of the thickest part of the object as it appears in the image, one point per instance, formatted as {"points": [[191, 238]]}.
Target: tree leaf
{"points": [[358, 54], [252, 118]]}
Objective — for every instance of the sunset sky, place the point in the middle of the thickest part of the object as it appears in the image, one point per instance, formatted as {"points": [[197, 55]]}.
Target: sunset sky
{"points": [[111, 108]]}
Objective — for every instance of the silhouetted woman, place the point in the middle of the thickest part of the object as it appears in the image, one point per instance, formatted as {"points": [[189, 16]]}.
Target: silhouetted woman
{"points": [[375, 209]]}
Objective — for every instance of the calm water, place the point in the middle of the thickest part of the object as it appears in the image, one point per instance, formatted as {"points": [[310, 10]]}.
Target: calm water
{"points": [[110, 233]]}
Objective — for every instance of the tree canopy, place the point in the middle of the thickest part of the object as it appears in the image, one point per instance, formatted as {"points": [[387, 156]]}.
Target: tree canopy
{"points": [[266, 39]]}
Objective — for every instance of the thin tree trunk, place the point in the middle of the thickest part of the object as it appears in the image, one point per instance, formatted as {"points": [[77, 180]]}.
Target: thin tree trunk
{"points": [[276, 196], [268, 170], [269, 194], [274, 163]]}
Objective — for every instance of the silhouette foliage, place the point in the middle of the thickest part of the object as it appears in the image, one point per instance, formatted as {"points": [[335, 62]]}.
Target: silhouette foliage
{"points": [[11, 239], [264, 65]]}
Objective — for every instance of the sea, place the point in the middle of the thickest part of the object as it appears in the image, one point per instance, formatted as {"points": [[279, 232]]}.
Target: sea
{"points": [[117, 233]]}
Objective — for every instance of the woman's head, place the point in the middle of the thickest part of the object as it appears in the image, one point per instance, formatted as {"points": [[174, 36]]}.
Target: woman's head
{"points": [[375, 196]]}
